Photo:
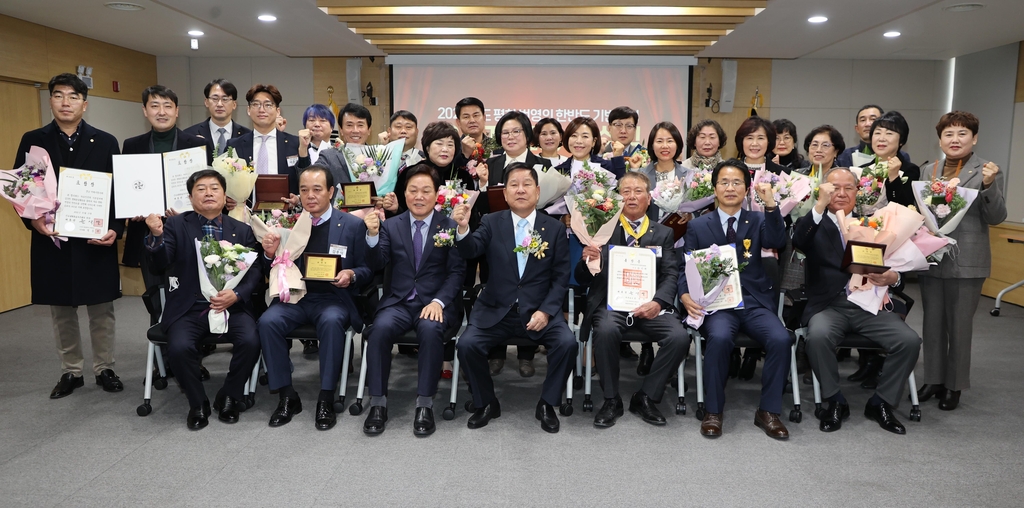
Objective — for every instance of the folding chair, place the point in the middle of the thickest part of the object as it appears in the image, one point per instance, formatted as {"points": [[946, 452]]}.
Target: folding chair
{"points": [[856, 340], [742, 340], [631, 335]]}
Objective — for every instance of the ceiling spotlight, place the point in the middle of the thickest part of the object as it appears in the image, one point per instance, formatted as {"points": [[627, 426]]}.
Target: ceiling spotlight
{"points": [[124, 6], [267, 17], [891, 34], [964, 7], [196, 33], [817, 19]]}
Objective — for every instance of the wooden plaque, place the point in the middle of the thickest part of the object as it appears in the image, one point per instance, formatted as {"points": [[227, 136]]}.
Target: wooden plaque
{"points": [[496, 198], [863, 258], [675, 221], [356, 194], [269, 191], [321, 267]]}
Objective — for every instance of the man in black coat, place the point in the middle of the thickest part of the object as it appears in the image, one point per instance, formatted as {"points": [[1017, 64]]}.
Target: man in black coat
{"points": [[185, 319], [656, 319], [77, 271], [218, 128], [160, 107]]}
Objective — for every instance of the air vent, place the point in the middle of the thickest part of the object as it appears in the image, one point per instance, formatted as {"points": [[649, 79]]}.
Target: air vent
{"points": [[124, 6], [964, 7]]}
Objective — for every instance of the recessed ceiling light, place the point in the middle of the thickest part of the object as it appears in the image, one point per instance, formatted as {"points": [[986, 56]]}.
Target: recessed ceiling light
{"points": [[196, 33], [267, 17], [124, 6], [817, 19], [891, 34], [964, 7]]}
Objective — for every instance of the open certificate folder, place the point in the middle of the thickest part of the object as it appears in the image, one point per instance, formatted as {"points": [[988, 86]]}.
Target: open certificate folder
{"points": [[632, 278], [152, 182], [84, 203]]}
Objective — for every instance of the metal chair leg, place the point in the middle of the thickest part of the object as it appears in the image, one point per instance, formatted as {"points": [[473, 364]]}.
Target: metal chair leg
{"points": [[357, 407], [449, 412]]}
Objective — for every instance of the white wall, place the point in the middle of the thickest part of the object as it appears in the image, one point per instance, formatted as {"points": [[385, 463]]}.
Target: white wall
{"points": [[188, 76], [813, 92]]}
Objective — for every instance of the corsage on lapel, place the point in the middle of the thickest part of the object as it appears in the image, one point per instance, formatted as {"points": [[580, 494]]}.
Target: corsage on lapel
{"points": [[532, 244], [445, 238], [746, 246]]}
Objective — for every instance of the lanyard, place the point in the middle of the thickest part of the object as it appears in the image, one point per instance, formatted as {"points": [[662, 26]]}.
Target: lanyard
{"points": [[628, 228]]}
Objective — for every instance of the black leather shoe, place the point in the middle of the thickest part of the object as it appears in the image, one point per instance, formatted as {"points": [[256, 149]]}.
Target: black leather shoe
{"points": [[871, 381], [643, 367], [204, 375], [926, 392], [109, 381], [198, 417], [66, 384], [863, 361], [750, 358], [885, 416], [641, 404], [376, 421], [950, 400], [310, 347], [832, 418], [481, 416], [626, 351], [547, 416], [611, 410], [229, 409], [325, 417], [423, 422], [286, 409]]}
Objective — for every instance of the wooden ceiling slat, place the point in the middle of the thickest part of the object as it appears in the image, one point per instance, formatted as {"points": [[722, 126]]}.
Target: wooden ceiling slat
{"points": [[535, 28], [749, 4], [502, 33], [553, 39], [617, 12], [471, 50], [527, 20]]}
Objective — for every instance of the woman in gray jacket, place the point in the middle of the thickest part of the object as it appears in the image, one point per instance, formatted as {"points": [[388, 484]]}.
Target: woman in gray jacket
{"points": [[950, 291]]}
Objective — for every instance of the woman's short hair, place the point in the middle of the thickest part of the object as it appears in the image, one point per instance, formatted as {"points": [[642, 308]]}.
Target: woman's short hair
{"points": [[833, 135], [535, 140], [691, 136], [957, 119], [783, 126], [519, 116], [750, 126], [318, 111], [575, 125], [895, 122], [438, 130], [672, 131]]}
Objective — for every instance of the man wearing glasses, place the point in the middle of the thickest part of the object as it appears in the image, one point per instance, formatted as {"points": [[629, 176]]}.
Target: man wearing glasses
{"points": [[271, 152], [622, 123], [218, 128], [76, 272]]}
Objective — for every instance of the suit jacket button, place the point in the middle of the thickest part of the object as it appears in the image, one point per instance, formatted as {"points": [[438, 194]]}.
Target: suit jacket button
{"points": [[519, 287]]}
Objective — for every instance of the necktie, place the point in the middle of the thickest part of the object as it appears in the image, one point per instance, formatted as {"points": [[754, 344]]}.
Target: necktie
{"points": [[262, 164], [402, 166], [630, 241], [417, 251], [220, 140], [730, 233], [520, 234], [316, 220]]}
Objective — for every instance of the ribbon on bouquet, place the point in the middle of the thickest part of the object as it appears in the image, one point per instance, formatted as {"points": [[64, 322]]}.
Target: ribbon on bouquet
{"points": [[50, 221], [284, 258]]}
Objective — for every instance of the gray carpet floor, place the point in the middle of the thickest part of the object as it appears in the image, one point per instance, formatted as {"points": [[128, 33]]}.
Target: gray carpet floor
{"points": [[90, 449]]}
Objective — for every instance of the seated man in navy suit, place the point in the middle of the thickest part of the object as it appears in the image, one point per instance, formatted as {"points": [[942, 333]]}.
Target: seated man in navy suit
{"points": [[184, 319], [422, 292], [749, 232], [329, 305], [523, 299], [829, 316], [656, 319]]}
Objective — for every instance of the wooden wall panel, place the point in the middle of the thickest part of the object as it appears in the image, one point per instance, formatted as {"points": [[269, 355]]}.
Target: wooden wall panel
{"points": [[1006, 266], [1019, 96], [331, 72], [750, 74], [34, 53], [19, 111]]}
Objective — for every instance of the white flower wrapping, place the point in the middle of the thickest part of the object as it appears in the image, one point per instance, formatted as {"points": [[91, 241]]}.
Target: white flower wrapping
{"points": [[285, 278], [219, 320], [553, 185]]}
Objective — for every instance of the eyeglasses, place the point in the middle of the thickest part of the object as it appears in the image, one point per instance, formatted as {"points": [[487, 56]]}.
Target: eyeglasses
{"points": [[266, 106], [59, 97], [511, 134], [626, 126], [219, 99], [730, 183], [823, 146]]}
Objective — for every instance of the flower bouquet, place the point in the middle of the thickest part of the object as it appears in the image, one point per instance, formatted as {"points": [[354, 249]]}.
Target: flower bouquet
{"points": [[711, 270], [221, 266], [553, 185], [789, 192], [594, 208], [484, 150], [639, 159], [240, 178], [375, 163], [700, 193], [807, 203], [32, 189], [294, 229], [943, 203], [870, 189], [453, 193], [668, 195]]}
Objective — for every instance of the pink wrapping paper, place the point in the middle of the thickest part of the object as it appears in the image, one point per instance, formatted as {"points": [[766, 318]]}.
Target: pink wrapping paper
{"points": [[579, 226]]}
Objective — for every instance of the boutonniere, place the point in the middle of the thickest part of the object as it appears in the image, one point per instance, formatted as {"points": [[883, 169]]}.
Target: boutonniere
{"points": [[746, 245], [445, 238], [532, 244], [337, 144]]}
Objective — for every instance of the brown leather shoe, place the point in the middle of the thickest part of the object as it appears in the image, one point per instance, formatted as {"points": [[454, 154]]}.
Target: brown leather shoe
{"points": [[771, 424], [711, 425]]}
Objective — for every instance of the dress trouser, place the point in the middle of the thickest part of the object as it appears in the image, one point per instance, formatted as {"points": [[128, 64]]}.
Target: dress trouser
{"points": [[183, 338], [331, 319], [667, 330], [475, 344], [763, 326], [827, 329], [69, 338], [949, 307], [389, 325]]}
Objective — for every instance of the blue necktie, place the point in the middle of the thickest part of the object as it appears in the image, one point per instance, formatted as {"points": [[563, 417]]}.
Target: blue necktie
{"points": [[520, 234], [630, 239], [417, 251], [730, 233]]}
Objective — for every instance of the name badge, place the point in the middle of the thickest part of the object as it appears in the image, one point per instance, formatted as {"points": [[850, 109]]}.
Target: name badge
{"points": [[293, 160], [657, 251], [340, 250]]}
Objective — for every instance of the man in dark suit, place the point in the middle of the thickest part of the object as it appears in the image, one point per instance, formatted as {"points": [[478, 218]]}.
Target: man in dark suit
{"points": [[160, 107], [656, 319], [749, 232], [77, 272], [218, 128], [185, 319], [524, 300], [329, 305], [830, 316], [422, 291], [272, 152]]}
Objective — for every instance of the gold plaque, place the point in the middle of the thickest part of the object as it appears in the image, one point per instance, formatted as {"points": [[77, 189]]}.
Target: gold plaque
{"points": [[863, 258], [357, 195], [321, 267], [270, 205]]}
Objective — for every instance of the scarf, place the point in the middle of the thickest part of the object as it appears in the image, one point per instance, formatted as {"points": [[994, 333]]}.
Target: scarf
{"points": [[709, 163]]}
